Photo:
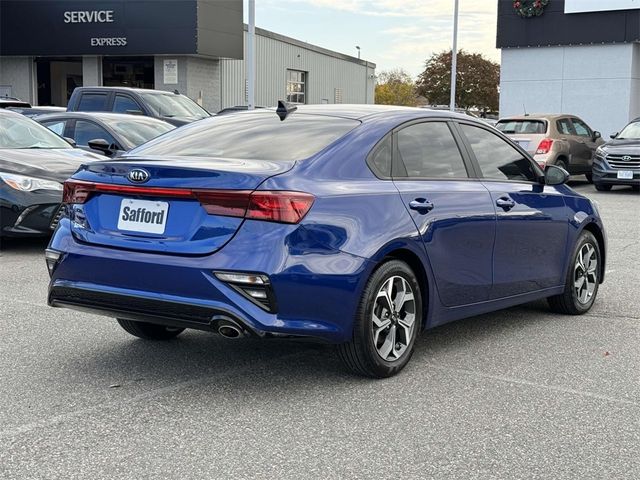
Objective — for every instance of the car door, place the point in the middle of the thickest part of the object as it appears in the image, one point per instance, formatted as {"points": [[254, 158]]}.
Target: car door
{"points": [[586, 144], [532, 219], [453, 212], [86, 130]]}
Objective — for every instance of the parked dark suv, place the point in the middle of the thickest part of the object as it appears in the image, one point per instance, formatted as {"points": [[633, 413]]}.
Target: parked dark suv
{"points": [[171, 107], [617, 162]]}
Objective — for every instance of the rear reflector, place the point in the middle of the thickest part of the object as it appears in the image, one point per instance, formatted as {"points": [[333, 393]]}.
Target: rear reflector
{"points": [[272, 206], [544, 147]]}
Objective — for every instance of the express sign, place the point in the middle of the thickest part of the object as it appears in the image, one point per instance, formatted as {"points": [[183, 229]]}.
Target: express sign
{"points": [[88, 16]]}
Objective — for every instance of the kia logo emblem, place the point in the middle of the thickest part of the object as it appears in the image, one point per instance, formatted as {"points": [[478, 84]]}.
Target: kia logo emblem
{"points": [[138, 175], [626, 158]]}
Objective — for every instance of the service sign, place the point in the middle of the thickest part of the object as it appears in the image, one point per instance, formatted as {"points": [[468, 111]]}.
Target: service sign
{"points": [[583, 6]]}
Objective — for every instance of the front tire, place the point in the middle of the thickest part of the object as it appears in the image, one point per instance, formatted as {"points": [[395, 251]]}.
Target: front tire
{"points": [[583, 278], [589, 177], [386, 324], [149, 331], [602, 187]]}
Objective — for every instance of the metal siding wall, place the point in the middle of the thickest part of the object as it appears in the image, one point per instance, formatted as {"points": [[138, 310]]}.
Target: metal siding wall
{"points": [[274, 57]]}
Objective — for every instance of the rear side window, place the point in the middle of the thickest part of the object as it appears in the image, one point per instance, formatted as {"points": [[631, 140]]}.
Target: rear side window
{"points": [[86, 131], [125, 104], [257, 136], [380, 158], [428, 150], [564, 127], [92, 102], [522, 126], [497, 159]]}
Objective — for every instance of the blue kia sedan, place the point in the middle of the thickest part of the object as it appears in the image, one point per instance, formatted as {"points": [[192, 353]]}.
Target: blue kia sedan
{"points": [[356, 225]]}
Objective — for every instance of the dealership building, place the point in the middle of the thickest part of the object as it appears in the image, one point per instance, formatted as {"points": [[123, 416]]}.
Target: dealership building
{"points": [[579, 56], [47, 48]]}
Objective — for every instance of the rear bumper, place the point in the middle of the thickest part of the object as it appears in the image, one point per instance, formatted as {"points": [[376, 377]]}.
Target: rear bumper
{"points": [[316, 292]]}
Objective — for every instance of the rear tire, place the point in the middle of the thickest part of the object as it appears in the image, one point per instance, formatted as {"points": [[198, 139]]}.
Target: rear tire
{"points": [[589, 177], [602, 187], [386, 324], [583, 278], [562, 164], [149, 331]]}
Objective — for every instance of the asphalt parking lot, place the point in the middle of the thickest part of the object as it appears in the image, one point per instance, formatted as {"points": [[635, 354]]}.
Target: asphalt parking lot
{"points": [[521, 393]]}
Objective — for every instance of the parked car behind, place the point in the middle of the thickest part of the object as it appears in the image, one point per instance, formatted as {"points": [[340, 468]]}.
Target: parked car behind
{"points": [[561, 140], [360, 225], [34, 111], [6, 102], [105, 133], [617, 162], [168, 106], [33, 164]]}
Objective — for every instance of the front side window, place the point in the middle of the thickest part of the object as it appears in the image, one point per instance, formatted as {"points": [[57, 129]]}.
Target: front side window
{"points": [[581, 128], [92, 102], [252, 136], [296, 86], [86, 131], [126, 104], [56, 126], [428, 150], [497, 159], [22, 132]]}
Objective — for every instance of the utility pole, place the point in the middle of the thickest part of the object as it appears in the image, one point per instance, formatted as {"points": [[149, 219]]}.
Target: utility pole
{"points": [[251, 57], [454, 59]]}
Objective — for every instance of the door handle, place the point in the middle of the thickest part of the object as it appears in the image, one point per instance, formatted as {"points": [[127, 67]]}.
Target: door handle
{"points": [[421, 205], [505, 203]]}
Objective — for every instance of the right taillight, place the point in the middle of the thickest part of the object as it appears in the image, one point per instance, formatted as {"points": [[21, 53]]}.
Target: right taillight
{"points": [[544, 147], [270, 206]]}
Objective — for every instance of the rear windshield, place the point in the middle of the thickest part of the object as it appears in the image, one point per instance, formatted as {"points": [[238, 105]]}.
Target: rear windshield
{"points": [[254, 136], [522, 126]]}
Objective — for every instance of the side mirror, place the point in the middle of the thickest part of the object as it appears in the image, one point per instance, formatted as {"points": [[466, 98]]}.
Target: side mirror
{"points": [[101, 145], [614, 135], [555, 175], [597, 135], [71, 141]]}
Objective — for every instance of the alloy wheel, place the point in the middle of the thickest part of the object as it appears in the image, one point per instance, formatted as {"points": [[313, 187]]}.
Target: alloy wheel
{"points": [[393, 317], [585, 279]]}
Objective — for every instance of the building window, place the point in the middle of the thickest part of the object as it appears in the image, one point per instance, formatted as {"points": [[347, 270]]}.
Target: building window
{"points": [[296, 86]]}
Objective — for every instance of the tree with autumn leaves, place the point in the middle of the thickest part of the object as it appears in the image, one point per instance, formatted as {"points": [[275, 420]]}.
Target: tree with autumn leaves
{"points": [[477, 83]]}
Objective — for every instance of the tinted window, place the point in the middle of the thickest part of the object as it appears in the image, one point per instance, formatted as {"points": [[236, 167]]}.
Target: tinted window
{"points": [[138, 130], [17, 131], [92, 102], [522, 126], [260, 136], [380, 158], [56, 126], [564, 127], [125, 104], [497, 159], [428, 150], [173, 105], [86, 131], [581, 128]]}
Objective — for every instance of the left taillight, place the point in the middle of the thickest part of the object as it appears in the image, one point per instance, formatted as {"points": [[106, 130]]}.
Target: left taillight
{"points": [[271, 206], [544, 146]]}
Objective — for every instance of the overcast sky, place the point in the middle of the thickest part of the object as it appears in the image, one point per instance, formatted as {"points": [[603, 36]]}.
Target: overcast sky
{"points": [[390, 33]]}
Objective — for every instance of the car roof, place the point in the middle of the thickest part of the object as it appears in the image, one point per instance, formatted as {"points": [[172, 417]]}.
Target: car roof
{"points": [[100, 116], [131, 89], [365, 111], [537, 116]]}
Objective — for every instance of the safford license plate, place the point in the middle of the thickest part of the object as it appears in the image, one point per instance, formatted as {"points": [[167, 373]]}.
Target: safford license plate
{"points": [[143, 216]]}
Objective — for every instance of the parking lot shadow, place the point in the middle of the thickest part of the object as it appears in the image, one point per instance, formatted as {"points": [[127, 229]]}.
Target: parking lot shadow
{"points": [[23, 245]]}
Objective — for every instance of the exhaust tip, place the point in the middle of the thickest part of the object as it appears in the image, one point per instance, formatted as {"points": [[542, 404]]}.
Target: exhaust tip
{"points": [[229, 331]]}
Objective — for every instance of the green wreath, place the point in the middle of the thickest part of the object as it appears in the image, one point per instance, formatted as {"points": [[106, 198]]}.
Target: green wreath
{"points": [[530, 8]]}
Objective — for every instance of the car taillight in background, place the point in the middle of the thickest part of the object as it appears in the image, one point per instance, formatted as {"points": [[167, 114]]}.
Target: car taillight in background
{"points": [[271, 206], [544, 147]]}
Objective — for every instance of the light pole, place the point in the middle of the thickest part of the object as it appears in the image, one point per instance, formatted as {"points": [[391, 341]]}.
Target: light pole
{"points": [[358, 48], [454, 59], [251, 60]]}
